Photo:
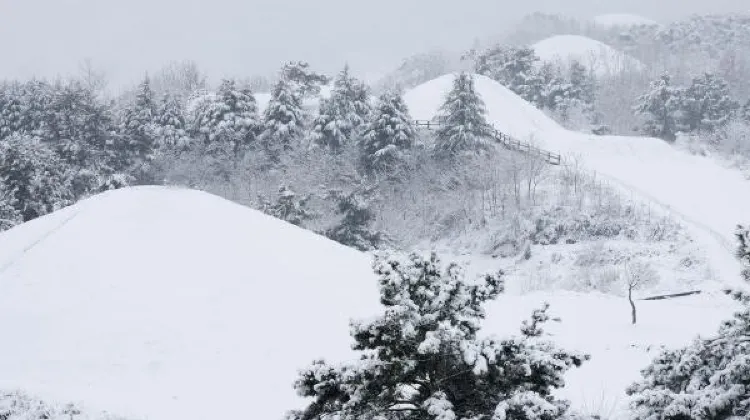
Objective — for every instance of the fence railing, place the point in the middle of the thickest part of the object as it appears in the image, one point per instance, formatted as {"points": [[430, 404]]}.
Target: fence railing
{"points": [[507, 141]]}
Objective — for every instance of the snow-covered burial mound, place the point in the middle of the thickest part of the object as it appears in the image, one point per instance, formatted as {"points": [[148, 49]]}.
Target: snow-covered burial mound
{"points": [[173, 304], [596, 56]]}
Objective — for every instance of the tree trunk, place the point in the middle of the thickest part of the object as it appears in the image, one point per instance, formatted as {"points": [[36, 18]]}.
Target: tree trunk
{"points": [[632, 304]]}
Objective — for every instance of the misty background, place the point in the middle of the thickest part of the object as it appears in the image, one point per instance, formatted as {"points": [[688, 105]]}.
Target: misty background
{"points": [[126, 39]]}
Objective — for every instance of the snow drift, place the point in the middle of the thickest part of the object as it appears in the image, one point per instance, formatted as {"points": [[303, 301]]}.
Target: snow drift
{"points": [[170, 303], [598, 57]]}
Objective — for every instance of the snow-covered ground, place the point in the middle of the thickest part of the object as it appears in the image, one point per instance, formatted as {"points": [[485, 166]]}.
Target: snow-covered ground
{"points": [[170, 303], [614, 20], [599, 57]]}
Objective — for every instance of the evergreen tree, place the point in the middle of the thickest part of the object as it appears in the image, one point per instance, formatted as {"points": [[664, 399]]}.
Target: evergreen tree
{"points": [[283, 121], [33, 177], [9, 214], [463, 123], [388, 133], [661, 107], [422, 358], [343, 114], [707, 104], [138, 129], [171, 125], [514, 68], [229, 122], [289, 207], [303, 81], [708, 379], [354, 228]]}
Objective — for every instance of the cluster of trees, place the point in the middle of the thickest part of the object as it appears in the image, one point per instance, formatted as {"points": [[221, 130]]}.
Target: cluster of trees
{"points": [[704, 106], [557, 88]]}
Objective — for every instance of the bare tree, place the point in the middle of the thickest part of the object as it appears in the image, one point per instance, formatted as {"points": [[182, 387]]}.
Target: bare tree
{"points": [[637, 275]]}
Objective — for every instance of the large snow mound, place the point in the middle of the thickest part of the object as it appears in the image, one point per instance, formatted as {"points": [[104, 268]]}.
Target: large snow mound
{"points": [[595, 55], [614, 20], [170, 303], [507, 111]]}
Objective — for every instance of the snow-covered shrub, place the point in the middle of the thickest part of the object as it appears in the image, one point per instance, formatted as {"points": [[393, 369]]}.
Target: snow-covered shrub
{"points": [[422, 358], [19, 406], [354, 229], [289, 207]]}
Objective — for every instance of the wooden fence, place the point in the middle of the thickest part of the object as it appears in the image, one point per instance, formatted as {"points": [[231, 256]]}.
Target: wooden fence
{"points": [[507, 141]]}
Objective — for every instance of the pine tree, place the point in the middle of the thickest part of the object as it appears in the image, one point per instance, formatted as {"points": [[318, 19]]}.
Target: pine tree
{"points": [[289, 207], [388, 133], [342, 115], [463, 123], [34, 177], [303, 81], [422, 357], [283, 121], [661, 107], [354, 228], [138, 127], [514, 68], [708, 379], [229, 122], [171, 125], [707, 104]]}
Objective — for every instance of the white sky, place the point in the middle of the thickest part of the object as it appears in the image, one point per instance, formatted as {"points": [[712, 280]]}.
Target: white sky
{"points": [[240, 38]]}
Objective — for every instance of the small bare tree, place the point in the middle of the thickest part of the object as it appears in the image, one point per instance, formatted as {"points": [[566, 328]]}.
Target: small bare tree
{"points": [[637, 275]]}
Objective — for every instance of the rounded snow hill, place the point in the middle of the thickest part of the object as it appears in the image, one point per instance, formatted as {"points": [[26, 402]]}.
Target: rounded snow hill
{"points": [[623, 20], [599, 57], [167, 303], [507, 111]]}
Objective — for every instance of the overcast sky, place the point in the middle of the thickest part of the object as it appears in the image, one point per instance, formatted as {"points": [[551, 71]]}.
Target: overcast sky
{"points": [[126, 38]]}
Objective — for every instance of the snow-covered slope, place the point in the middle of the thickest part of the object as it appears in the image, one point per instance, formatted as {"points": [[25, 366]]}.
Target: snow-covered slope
{"points": [[622, 20], [170, 303], [710, 198], [597, 56]]}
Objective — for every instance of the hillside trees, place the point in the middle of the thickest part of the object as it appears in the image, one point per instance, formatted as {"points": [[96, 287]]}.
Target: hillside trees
{"points": [[707, 104], [422, 357], [303, 81], [341, 116], [283, 120], [388, 133], [354, 229], [515, 69], [463, 123], [661, 107]]}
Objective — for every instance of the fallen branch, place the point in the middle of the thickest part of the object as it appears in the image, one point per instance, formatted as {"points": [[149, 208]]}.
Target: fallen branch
{"points": [[672, 296]]}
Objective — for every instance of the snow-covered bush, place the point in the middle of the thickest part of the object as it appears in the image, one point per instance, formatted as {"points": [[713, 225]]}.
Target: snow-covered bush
{"points": [[423, 359], [289, 207], [19, 406], [354, 229]]}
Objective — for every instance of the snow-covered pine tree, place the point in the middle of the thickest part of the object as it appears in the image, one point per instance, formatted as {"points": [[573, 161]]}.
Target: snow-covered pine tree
{"points": [[229, 121], [34, 176], [303, 81], [171, 125], [423, 359], [289, 207], [138, 129], [707, 104], [514, 68], [661, 106], [463, 123], [354, 229], [283, 120], [342, 115], [743, 250], [387, 134], [706, 380]]}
